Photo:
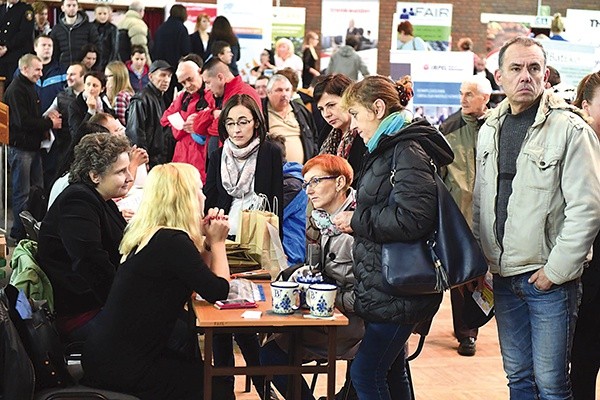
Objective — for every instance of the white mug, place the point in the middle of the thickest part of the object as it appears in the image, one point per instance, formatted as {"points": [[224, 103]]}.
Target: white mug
{"points": [[320, 297], [285, 297]]}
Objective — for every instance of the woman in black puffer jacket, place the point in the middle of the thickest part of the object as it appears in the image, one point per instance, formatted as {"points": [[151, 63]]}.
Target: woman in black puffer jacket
{"points": [[377, 108]]}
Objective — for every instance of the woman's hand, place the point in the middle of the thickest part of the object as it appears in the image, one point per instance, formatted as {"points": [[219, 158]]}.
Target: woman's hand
{"points": [[342, 221], [91, 103], [138, 156], [127, 214], [215, 226]]}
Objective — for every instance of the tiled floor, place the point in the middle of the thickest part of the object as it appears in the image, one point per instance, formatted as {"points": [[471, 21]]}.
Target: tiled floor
{"points": [[439, 373]]}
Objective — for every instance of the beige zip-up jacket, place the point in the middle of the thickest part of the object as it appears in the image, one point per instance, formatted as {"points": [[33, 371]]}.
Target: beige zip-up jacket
{"points": [[554, 208]]}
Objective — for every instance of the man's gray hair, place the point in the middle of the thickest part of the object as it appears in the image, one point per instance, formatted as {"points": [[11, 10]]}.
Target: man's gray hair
{"points": [[276, 78], [136, 6], [25, 61], [482, 83], [523, 41]]}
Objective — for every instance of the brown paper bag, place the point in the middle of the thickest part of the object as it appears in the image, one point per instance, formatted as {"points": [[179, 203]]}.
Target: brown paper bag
{"points": [[254, 233]]}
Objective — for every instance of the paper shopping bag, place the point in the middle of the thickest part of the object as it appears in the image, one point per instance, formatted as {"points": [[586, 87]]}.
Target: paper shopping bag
{"points": [[275, 259], [253, 232]]}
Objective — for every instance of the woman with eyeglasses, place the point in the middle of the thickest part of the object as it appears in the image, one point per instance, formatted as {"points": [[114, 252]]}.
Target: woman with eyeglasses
{"points": [[247, 165], [389, 208], [327, 180]]}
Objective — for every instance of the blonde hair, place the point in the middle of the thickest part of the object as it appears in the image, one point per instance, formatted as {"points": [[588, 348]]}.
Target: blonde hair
{"points": [[170, 200], [557, 26], [395, 95], [120, 80], [288, 43]]}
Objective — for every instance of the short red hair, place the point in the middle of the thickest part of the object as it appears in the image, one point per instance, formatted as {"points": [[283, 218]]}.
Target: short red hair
{"points": [[333, 165]]}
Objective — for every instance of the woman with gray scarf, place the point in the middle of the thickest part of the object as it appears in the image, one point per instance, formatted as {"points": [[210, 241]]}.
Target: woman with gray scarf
{"points": [[247, 165]]}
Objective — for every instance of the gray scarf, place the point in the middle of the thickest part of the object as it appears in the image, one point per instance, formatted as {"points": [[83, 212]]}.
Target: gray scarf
{"points": [[237, 181]]}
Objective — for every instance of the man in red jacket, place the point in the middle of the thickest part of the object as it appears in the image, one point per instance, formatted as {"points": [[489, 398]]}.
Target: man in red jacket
{"points": [[194, 104], [223, 85]]}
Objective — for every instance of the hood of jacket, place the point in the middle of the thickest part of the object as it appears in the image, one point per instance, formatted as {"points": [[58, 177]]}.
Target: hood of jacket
{"points": [[81, 18], [293, 168], [432, 141], [346, 51]]}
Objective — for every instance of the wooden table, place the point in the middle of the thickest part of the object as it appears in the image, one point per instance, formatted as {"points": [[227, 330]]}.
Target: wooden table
{"points": [[213, 321]]}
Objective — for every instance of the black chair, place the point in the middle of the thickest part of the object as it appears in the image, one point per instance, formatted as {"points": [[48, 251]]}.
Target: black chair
{"points": [[31, 225], [421, 329]]}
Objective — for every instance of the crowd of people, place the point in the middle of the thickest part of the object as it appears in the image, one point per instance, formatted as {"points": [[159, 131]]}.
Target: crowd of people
{"points": [[117, 111]]}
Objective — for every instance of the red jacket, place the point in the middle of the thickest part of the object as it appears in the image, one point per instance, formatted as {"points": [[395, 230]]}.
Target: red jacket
{"points": [[235, 86], [186, 149]]}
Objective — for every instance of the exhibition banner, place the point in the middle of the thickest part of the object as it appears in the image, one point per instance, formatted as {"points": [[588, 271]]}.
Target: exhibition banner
{"points": [[251, 22], [341, 18], [583, 26], [436, 80], [573, 61], [288, 22], [431, 22]]}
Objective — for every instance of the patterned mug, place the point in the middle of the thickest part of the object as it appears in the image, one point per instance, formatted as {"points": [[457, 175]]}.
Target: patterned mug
{"points": [[320, 297], [285, 297]]}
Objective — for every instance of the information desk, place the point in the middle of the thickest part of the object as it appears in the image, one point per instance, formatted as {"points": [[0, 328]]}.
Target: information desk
{"points": [[213, 321]]}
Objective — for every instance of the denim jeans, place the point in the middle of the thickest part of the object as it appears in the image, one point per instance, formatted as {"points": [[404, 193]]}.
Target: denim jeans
{"points": [[272, 354], [249, 346], [378, 371], [26, 171], [535, 329]]}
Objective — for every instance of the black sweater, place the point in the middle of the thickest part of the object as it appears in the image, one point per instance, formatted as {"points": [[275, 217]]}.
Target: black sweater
{"points": [[79, 248], [149, 292]]}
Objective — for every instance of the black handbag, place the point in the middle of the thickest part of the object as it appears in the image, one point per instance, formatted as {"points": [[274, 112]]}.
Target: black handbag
{"points": [[41, 342], [447, 258]]}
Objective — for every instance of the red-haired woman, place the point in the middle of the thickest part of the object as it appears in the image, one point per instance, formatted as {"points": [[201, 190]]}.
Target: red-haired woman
{"points": [[327, 180]]}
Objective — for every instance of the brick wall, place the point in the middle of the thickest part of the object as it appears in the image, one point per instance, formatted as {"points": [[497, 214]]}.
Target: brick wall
{"points": [[465, 18]]}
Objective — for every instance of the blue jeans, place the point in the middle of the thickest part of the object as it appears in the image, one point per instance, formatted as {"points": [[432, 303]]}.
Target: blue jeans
{"points": [[378, 371], [272, 354], [26, 171], [250, 348], [535, 329]]}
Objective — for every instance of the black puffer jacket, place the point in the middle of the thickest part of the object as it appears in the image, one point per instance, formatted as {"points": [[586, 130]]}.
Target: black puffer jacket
{"points": [[68, 40], [375, 222]]}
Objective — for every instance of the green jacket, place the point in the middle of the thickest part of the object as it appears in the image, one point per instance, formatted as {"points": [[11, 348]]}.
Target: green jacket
{"points": [[461, 133], [28, 276]]}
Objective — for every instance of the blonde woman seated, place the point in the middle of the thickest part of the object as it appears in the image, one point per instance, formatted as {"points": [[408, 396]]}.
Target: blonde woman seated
{"points": [[327, 180], [169, 251]]}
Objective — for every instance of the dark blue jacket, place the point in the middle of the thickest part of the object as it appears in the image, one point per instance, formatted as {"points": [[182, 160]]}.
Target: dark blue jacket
{"points": [[137, 83], [171, 41]]}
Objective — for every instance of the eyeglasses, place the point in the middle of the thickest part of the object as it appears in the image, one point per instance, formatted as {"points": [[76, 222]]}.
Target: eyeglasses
{"points": [[242, 123], [314, 181]]}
